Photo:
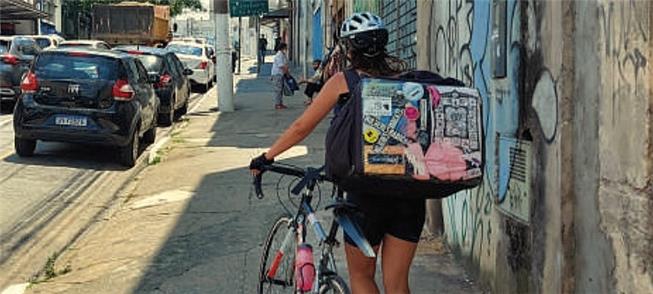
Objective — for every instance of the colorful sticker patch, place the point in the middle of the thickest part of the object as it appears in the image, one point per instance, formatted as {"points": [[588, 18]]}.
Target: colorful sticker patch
{"points": [[377, 106], [371, 135]]}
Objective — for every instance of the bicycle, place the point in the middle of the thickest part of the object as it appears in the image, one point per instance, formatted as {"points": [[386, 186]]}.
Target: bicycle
{"points": [[280, 270]]}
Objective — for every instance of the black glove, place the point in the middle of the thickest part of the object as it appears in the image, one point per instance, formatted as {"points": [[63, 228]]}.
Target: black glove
{"points": [[259, 162]]}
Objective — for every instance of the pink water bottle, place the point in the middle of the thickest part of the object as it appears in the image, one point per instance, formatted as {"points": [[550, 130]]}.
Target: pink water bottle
{"points": [[304, 268]]}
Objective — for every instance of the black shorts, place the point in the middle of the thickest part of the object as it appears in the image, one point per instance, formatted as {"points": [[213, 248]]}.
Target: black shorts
{"points": [[400, 218], [311, 89]]}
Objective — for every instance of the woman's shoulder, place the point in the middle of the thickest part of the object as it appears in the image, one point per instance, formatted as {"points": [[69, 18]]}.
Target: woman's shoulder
{"points": [[337, 82]]}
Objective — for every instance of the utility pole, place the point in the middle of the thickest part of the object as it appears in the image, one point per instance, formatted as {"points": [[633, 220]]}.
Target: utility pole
{"points": [[223, 56]]}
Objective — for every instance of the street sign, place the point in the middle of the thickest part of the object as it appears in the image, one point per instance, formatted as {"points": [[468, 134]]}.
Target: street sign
{"points": [[247, 7]]}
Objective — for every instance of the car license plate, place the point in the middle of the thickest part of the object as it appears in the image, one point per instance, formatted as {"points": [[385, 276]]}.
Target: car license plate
{"points": [[75, 121]]}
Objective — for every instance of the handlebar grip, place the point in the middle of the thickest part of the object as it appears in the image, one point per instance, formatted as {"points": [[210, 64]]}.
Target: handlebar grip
{"points": [[257, 185]]}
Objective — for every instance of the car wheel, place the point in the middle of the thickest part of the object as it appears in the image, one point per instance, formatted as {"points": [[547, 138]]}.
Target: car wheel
{"points": [[182, 110], [24, 147], [129, 153], [150, 136], [166, 119]]}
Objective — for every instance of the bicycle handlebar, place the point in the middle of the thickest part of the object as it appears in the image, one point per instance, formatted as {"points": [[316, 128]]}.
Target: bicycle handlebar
{"points": [[306, 175]]}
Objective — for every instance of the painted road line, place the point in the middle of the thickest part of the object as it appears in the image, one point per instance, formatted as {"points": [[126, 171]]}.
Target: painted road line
{"points": [[15, 289], [6, 121], [6, 153]]}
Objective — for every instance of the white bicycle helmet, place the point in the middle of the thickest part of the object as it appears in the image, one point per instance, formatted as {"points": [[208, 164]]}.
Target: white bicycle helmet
{"points": [[360, 22]]}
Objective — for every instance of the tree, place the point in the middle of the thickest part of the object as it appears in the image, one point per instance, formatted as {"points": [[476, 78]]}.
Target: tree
{"points": [[176, 6]]}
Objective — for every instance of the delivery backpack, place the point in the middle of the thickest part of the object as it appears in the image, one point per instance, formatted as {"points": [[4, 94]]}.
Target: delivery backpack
{"points": [[417, 136]]}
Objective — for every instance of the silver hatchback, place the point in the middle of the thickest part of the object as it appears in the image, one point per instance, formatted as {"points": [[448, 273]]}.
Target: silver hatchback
{"points": [[16, 56]]}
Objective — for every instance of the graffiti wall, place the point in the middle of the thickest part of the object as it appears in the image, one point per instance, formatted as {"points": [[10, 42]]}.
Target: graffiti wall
{"points": [[509, 229], [625, 105], [568, 189], [459, 35]]}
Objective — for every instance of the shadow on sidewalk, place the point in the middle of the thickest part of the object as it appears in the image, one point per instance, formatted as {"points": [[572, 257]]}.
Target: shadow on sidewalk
{"points": [[216, 243]]}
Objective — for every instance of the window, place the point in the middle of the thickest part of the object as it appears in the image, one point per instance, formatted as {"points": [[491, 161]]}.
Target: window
{"points": [[60, 66], [142, 72], [185, 49], [43, 42], [172, 66], [27, 47], [5, 45], [152, 63], [133, 70]]}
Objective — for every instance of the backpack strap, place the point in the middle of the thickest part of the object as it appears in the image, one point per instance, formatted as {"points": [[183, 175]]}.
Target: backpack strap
{"points": [[352, 77]]}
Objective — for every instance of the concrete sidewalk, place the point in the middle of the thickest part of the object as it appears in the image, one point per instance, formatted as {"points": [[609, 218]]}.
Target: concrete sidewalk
{"points": [[188, 224]]}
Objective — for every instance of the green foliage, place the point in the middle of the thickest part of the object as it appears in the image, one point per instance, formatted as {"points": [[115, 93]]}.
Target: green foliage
{"points": [[176, 6]]}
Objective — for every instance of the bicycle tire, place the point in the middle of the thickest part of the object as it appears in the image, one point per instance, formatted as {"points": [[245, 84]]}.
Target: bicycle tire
{"points": [[284, 274], [334, 284]]}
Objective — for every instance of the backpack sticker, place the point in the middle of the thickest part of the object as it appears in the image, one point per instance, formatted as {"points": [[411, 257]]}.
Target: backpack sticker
{"points": [[377, 106], [370, 134], [388, 162]]}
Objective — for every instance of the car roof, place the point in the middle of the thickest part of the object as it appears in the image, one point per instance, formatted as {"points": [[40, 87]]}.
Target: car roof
{"points": [[90, 51], [14, 37], [39, 36], [143, 49], [82, 42], [190, 44]]}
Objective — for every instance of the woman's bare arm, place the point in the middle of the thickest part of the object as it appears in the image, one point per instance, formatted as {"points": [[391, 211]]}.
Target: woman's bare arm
{"points": [[304, 125]]}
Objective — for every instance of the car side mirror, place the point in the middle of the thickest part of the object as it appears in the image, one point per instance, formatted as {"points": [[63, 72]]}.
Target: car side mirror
{"points": [[213, 58], [153, 78], [188, 71]]}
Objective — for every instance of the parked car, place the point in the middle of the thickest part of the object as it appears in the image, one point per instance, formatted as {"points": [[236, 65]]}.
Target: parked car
{"points": [[96, 44], [196, 40], [87, 96], [173, 89], [16, 55], [197, 58], [47, 41]]}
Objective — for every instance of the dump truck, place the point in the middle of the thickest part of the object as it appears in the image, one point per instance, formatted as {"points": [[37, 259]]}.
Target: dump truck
{"points": [[131, 23]]}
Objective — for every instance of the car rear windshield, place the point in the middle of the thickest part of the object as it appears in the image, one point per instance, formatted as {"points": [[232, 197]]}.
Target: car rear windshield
{"points": [[42, 42], [152, 63], [4, 46], [85, 67], [183, 49]]}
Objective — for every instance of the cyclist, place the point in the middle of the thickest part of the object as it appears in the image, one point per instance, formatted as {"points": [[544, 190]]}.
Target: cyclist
{"points": [[395, 224]]}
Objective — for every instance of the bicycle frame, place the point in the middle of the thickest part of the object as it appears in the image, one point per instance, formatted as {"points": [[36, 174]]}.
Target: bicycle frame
{"points": [[305, 212]]}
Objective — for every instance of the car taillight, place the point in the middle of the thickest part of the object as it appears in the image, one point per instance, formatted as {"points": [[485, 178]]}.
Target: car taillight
{"points": [[29, 84], [164, 81], [122, 91], [203, 65], [10, 59]]}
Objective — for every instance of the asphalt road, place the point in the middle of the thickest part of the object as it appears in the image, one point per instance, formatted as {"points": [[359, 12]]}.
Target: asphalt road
{"points": [[49, 200]]}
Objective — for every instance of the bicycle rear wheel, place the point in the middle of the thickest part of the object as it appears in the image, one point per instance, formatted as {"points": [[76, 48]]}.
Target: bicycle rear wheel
{"points": [[334, 284], [283, 280]]}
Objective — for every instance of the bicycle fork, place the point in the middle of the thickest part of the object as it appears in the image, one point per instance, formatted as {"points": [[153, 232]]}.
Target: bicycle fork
{"points": [[281, 252]]}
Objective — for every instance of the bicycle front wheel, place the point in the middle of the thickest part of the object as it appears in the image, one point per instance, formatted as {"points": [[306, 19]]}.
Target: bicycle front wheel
{"points": [[335, 285], [276, 271]]}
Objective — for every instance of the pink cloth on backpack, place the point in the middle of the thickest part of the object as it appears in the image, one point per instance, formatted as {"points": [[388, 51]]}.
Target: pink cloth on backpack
{"points": [[445, 162], [415, 156]]}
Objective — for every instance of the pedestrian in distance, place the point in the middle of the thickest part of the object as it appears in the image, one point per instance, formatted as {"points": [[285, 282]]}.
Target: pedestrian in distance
{"points": [[262, 48], [279, 69], [392, 226], [314, 83]]}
